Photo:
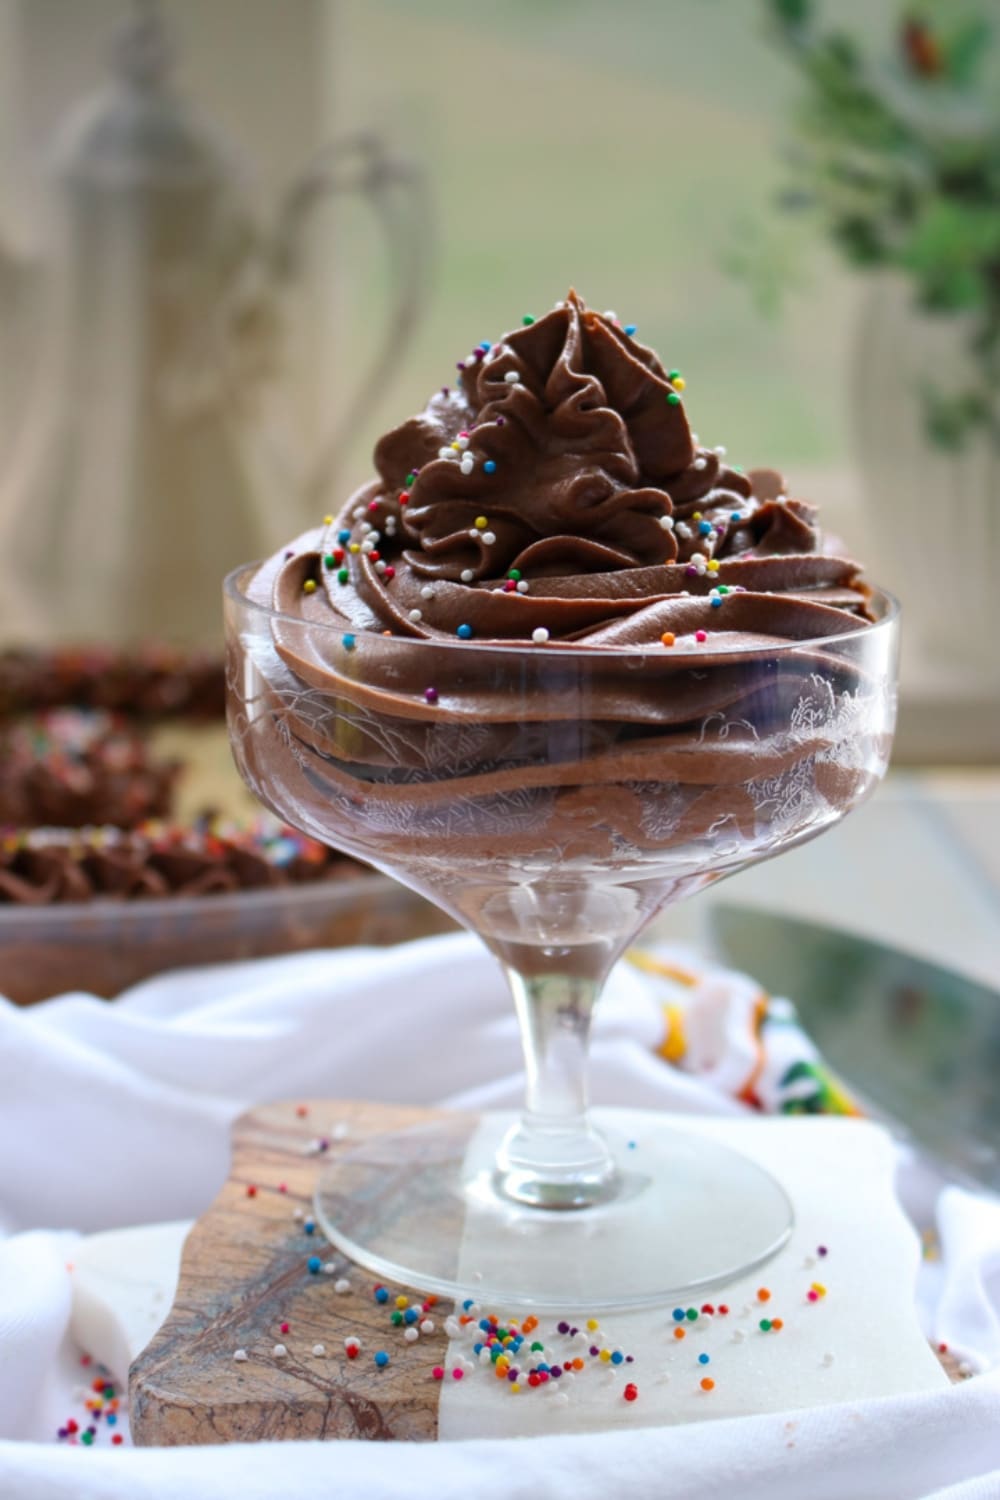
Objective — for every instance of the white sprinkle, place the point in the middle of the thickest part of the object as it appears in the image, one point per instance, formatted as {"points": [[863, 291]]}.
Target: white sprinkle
{"points": [[965, 1370], [512, 377], [380, 566], [700, 463], [340, 1130], [738, 1336], [467, 575], [298, 1213], [540, 636], [827, 1359], [319, 1350], [452, 1327], [467, 466], [522, 587], [484, 1356], [808, 1261], [342, 1286], [445, 452], [411, 1335], [279, 1351], [474, 534], [720, 450], [780, 499], [329, 1268], [365, 527], [489, 537], [683, 530], [427, 592], [358, 512], [667, 522], [240, 1356], [476, 1276], [427, 1325], [367, 547], [612, 315], [463, 443], [416, 614]]}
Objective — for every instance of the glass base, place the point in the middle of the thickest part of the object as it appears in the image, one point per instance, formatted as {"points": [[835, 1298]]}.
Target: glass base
{"points": [[423, 1207]]}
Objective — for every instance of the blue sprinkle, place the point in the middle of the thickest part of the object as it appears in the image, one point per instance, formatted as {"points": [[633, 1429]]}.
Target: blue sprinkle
{"points": [[411, 1315], [467, 1304], [542, 1369], [477, 1348], [309, 1227], [381, 1359], [705, 528], [348, 643], [314, 1264], [486, 346], [736, 515], [489, 467], [381, 1294], [111, 1419], [343, 537], [464, 632], [618, 1357], [630, 329], [679, 1315], [631, 1145], [716, 602], [484, 1324], [703, 1359]]}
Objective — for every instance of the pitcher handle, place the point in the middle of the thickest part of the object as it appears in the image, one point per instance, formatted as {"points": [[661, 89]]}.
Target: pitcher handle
{"points": [[397, 190]]}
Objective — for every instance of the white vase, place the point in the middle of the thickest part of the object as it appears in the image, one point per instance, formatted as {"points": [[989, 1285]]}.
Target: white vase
{"points": [[934, 515]]}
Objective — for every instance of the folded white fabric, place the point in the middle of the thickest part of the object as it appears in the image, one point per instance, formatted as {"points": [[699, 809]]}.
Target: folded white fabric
{"points": [[114, 1115]]}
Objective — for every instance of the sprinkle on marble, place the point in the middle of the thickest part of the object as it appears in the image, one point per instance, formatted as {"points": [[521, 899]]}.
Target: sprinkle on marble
{"points": [[241, 1356], [341, 1286], [279, 1351], [319, 1350]]}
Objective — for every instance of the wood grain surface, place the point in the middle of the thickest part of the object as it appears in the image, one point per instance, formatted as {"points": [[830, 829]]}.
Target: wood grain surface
{"points": [[245, 1271]]}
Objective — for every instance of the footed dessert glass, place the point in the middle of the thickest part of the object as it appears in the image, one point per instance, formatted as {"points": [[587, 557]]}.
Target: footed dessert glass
{"points": [[553, 799]]}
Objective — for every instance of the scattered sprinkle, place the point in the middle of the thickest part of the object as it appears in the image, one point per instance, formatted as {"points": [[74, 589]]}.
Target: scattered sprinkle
{"points": [[309, 587], [381, 1359], [319, 1350], [241, 1356], [708, 1384], [279, 1351], [348, 642], [314, 1263], [341, 1286]]}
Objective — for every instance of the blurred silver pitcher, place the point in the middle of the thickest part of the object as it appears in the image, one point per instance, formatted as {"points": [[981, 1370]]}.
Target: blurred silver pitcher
{"points": [[156, 439]]}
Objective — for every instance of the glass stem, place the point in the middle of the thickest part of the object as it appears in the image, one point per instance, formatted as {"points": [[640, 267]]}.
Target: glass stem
{"points": [[553, 1157]]}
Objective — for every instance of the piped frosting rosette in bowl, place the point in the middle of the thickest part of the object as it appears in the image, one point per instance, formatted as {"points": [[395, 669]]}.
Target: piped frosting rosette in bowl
{"points": [[554, 628]]}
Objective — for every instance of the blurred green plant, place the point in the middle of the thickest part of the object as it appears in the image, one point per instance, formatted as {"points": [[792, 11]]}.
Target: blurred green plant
{"points": [[896, 156]]}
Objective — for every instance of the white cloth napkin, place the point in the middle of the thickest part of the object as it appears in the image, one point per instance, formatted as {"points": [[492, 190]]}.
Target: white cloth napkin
{"points": [[114, 1115]]}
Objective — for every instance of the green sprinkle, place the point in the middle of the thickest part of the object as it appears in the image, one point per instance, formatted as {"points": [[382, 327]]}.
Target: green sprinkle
{"points": [[723, 588], [397, 1318], [535, 1348], [673, 399], [527, 320], [329, 561], [343, 576], [87, 1437], [515, 574], [410, 477], [765, 1325], [673, 374], [692, 1314]]}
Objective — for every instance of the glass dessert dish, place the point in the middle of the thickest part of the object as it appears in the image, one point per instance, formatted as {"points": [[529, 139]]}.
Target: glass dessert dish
{"points": [[553, 801], [556, 667]]}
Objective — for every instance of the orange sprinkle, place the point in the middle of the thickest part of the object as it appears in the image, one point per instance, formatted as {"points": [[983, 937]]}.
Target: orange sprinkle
{"points": [[777, 1325], [668, 638], [578, 1364], [708, 1384], [679, 1333], [763, 1295]]}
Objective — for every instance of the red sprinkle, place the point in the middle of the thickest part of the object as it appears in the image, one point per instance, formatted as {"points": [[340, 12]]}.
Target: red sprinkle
{"points": [[389, 573], [700, 635], [301, 1110], [285, 1327], [282, 1187], [437, 1372], [457, 1374], [723, 1309], [630, 1392], [251, 1191], [117, 1439]]}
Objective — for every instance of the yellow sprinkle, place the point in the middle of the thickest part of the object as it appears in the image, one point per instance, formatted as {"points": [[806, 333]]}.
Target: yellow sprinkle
{"points": [[514, 1388], [456, 446], [819, 1288], [309, 587], [604, 1356], [679, 383], [354, 547], [402, 1302], [713, 566], [480, 523], [327, 520], [696, 515], [592, 1323]]}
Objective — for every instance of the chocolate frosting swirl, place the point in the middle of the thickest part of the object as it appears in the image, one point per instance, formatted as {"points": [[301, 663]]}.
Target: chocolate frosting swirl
{"points": [[559, 488]]}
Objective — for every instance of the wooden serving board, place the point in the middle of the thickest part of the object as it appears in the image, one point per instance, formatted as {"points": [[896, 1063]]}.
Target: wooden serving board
{"points": [[244, 1272]]}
